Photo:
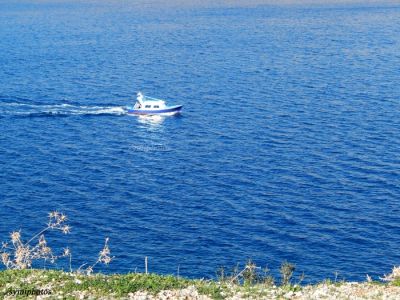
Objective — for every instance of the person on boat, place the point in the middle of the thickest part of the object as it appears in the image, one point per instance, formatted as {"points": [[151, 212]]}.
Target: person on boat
{"points": [[140, 97], [139, 100]]}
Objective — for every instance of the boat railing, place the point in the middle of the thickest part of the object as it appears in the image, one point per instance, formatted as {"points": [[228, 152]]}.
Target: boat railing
{"points": [[151, 98]]}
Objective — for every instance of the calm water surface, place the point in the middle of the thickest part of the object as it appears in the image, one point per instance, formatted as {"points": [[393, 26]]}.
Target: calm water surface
{"points": [[287, 149]]}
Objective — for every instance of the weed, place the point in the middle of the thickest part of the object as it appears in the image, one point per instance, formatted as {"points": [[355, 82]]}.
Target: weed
{"points": [[286, 271], [18, 254]]}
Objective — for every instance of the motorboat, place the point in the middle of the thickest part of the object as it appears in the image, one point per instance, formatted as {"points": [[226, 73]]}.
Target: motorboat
{"points": [[152, 106]]}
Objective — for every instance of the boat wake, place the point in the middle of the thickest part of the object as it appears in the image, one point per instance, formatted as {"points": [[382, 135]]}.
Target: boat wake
{"points": [[57, 110]]}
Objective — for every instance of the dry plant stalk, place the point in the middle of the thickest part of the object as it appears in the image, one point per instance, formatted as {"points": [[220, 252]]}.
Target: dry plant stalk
{"points": [[392, 276], [104, 258], [16, 254]]}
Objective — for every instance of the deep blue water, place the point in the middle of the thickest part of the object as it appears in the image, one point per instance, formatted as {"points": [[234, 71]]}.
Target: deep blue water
{"points": [[287, 148]]}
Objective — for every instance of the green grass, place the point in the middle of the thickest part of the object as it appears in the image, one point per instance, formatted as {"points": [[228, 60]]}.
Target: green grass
{"points": [[62, 283], [396, 282], [69, 285]]}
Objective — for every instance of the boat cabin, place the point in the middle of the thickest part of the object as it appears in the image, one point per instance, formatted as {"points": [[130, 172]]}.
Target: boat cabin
{"points": [[148, 103]]}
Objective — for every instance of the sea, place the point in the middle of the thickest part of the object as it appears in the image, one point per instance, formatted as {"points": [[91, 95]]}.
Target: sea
{"points": [[287, 148]]}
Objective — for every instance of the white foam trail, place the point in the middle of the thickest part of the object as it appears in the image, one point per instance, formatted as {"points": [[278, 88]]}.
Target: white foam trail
{"points": [[24, 109]]}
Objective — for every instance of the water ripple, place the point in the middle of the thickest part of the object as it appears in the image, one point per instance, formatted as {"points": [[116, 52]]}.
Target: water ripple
{"points": [[287, 148]]}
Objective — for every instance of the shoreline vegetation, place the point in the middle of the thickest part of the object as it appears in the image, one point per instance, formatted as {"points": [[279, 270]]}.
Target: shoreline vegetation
{"points": [[54, 284], [21, 279]]}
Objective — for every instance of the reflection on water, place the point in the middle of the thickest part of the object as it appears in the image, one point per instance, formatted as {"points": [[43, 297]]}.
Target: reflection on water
{"points": [[153, 120], [150, 136]]}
